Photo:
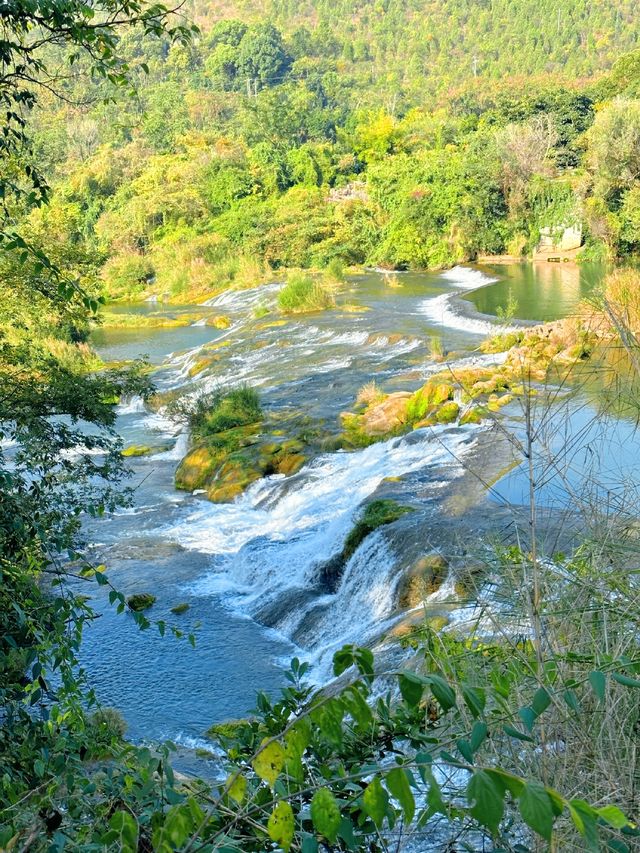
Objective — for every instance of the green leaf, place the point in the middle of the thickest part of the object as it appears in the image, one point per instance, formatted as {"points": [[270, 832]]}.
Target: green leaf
{"points": [[478, 734], [309, 844], [486, 800], [238, 787], [598, 683], [625, 679], [572, 700], [509, 730], [411, 688], [536, 809], [442, 692], [584, 819], [541, 701], [465, 750], [325, 814], [124, 829], [475, 699], [613, 816], [268, 763], [528, 717], [280, 825], [398, 784], [375, 800]]}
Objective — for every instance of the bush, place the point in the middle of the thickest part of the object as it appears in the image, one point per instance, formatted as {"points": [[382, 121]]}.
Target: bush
{"points": [[218, 411], [106, 725], [303, 293]]}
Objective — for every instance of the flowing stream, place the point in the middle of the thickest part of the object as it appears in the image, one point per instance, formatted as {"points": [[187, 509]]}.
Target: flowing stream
{"points": [[251, 571]]}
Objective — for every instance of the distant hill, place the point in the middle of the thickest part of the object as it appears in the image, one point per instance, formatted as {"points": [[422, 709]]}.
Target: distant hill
{"points": [[450, 42]]}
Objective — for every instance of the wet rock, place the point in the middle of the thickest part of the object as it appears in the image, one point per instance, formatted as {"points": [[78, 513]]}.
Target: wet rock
{"points": [[218, 321], [425, 577], [387, 416]]}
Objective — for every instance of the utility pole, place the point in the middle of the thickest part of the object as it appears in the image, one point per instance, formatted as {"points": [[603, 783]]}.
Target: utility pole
{"points": [[255, 87], [248, 87]]}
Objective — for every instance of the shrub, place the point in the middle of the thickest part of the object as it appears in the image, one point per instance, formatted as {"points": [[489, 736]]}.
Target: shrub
{"points": [[218, 411], [303, 293]]}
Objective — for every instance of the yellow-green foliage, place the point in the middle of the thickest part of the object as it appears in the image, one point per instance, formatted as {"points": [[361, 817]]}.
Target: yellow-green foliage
{"points": [[428, 397], [303, 293]]}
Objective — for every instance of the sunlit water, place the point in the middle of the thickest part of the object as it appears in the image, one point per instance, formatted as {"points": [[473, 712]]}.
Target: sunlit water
{"points": [[251, 570]]}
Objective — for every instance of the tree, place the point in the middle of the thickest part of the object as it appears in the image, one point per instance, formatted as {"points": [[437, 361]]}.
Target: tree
{"points": [[262, 55], [613, 147], [87, 34]]}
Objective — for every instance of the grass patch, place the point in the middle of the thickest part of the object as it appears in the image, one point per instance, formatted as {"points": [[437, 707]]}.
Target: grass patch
{"points": [[303, 293], [375, 515], [219, 411]]}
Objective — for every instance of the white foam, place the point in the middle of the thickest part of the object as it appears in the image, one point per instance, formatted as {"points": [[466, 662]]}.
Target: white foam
{"points": [[441, 310], [131, 405], [467, 277]]}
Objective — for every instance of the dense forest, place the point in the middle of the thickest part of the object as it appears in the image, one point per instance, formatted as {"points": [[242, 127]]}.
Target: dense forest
{"points": [[204, 176], [173, 155]]}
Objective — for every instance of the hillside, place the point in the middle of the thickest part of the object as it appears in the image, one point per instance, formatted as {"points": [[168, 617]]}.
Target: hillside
{"points": [[446, 41]]}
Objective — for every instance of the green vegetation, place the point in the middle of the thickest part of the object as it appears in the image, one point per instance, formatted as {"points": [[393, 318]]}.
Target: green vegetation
{"points": [[375, 514], [251, 148], [304, 293], [218, 411], [140, 601], [268, 144], [179, 609]]}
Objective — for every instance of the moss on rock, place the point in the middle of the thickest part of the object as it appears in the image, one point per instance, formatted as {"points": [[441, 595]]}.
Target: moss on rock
{"points": [[448, 413], [140, 601], [179, 609], [424, 578], [376, 514]]}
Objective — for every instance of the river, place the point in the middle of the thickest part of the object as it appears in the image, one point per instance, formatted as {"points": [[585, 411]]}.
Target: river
{"points": [[250, 569]]}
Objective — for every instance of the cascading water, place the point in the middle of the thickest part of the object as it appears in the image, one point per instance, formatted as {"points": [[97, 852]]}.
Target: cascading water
{"points": [[255, 565]]}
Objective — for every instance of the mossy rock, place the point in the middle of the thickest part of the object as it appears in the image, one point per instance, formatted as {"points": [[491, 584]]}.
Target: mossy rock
{"points": [[202, 364], [448, 413], [376, 514], [205, 754], [229, 730], [197, 468], [386, 417], [137, 450], [140, 601], [233, 478], [424, 578], [290, 463], [144, 449], [427, 398], [497, 382], [472, 416], [495, 403], [219, 321], [425, 422], [179, 609]]}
